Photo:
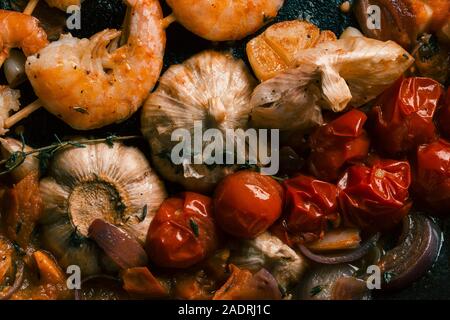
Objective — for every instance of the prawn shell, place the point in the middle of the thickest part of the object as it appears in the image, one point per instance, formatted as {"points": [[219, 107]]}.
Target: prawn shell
{"points": [[223, 20], [87, 85]]}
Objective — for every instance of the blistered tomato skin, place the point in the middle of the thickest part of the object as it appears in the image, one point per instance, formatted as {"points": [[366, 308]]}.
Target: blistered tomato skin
{"points": [[402, 118], [310, 205], [182, 233], [375, 198], [247, 203], [432, 177], [337, 143], [444, 117]]}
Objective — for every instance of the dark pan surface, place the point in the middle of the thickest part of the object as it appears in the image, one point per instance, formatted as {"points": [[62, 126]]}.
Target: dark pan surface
{"points": [[41, 127]]}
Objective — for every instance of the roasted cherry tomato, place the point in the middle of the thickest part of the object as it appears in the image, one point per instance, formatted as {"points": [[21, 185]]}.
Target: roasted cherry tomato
{"points": [[247, 203], [182, 232], [432, 176], [444, 116], [402, 118], [310, 205], [375, 198], [336, 143]]}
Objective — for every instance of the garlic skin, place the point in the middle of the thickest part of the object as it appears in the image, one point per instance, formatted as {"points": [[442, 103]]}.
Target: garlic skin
{"points": [[14, 68], [211, 87], [333, 75], [31, 163], [115, 184], [9, 101]]}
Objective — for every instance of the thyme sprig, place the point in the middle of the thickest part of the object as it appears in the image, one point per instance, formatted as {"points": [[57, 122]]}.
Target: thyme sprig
{"points": [[44, 154]]}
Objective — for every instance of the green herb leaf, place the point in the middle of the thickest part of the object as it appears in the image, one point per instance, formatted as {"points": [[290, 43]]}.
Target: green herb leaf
{"points": [[315, 291], [194, 227], [81, 110], [110, 140], [388, 276]]}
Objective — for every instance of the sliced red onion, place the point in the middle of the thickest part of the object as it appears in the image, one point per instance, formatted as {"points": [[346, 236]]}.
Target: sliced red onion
{"points": [[418, 249], [332, 282], [17, 282], [348, 256], [121, 247]]}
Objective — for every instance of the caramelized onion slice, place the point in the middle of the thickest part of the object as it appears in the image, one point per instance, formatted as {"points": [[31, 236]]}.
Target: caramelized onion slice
{"points": [[418, 249], [121, 247], [9, 291], [345, 257]]}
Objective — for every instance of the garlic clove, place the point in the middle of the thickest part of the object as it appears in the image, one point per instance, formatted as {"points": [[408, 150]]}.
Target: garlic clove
{"points": [[14, 68], [123, 249], [8, 147]]}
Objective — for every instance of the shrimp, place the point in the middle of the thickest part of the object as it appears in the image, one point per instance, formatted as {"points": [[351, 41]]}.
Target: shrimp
{"points": [[9, 101], [62, 4], [90, 83], [221, 20], [18, 30]]}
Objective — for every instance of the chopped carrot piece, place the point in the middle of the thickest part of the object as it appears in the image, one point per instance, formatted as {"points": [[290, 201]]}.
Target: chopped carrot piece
{"points": [[49, 270], [140, 281]]}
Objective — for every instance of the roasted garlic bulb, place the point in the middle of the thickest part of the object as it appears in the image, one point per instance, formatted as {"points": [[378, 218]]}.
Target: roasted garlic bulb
{"points": [[112, 183], [335, 74], [274, 50], [9, 101], [212, 89]]}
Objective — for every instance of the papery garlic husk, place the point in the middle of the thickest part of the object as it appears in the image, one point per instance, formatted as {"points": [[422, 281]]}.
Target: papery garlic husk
{"points": [[268, 251], [30, 164], [113, 183], [9, 101], [334, 75], [212, 88]]}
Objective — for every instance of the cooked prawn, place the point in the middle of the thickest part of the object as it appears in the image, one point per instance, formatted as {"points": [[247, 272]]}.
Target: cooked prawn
{"points": [[90, 83], [220, 20], [18, 30], [62, 4]]}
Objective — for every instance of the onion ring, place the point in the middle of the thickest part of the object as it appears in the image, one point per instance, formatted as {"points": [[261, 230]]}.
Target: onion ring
{"points": [[342, 257]]}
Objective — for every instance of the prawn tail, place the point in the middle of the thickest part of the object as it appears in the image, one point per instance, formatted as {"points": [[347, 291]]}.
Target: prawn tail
{"points": [[100, 46]]}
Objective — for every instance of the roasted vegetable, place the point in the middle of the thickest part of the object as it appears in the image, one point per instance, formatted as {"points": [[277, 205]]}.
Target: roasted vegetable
{"points": [[335, 74], [98, 181]]}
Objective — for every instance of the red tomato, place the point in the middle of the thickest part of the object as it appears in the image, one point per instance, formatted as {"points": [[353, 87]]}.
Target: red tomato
{"points": [[432, 176], [402, 118], [375, 198], [310, 205], [247, 203], [335, 144], [444, 116], [182, 232]]}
